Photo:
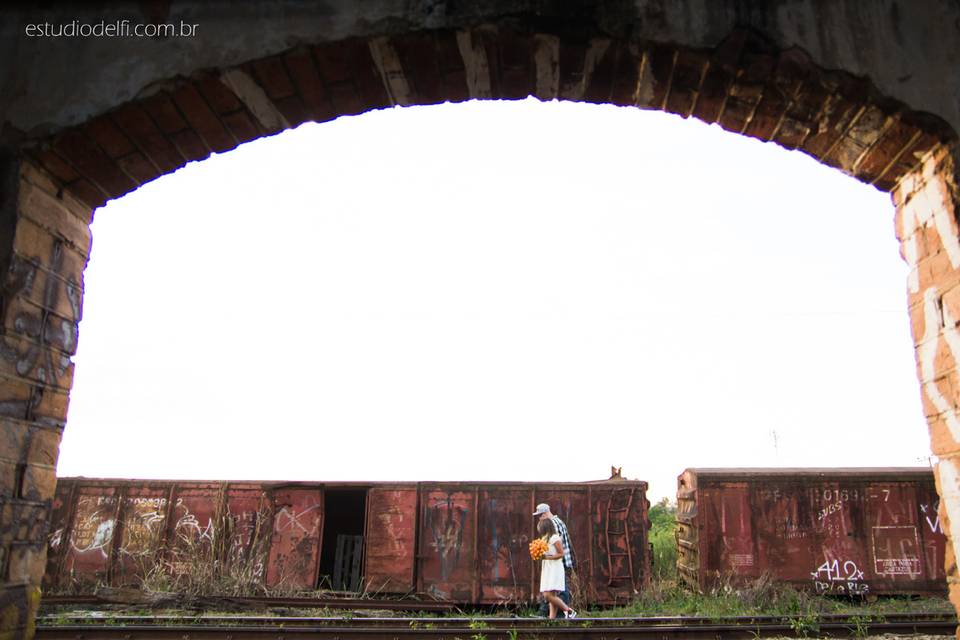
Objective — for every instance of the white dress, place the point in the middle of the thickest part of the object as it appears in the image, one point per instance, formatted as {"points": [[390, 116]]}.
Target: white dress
{"points": [[551, 571]]}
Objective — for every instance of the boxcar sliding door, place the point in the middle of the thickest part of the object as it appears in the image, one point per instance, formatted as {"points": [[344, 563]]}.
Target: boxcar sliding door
{"points": [[728, 529], [390, 539], [295, 541], [504, 533], [897, 537], [448, 545]]}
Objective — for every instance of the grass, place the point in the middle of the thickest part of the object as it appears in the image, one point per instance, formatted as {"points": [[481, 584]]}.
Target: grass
{"points": [[762, 597], [662, 599]]}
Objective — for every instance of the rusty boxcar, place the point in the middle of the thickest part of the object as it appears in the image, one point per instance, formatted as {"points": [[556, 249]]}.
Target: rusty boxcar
{"points": [[841, 531], [464, 542]]}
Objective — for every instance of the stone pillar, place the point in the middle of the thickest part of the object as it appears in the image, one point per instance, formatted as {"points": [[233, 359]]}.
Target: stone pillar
{"points": [[928, 202], [44, 245]]}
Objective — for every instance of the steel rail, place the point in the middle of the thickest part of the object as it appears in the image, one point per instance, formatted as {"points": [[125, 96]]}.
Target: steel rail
{"points": [[499, 622], [237, 628]]}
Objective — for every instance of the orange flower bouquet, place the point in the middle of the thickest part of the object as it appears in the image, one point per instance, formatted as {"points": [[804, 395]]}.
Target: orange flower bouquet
{"points": [[538, 548]]}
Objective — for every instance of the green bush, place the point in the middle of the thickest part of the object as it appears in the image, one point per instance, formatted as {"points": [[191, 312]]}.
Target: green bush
{"points": [[663, 527]]}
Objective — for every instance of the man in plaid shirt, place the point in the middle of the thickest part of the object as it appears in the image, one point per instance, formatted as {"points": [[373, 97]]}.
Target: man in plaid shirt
{"points": [[543, 511]]}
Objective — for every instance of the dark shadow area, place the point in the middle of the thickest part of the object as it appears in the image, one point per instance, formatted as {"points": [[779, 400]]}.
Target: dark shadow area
{"points": [[341, 557]]}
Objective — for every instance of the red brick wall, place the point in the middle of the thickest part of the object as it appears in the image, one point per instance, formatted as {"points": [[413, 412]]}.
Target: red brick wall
{"points": [[927, 202]]}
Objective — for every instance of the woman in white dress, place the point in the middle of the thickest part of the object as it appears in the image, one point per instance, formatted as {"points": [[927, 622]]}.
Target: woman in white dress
{"points": [[552, 580]]}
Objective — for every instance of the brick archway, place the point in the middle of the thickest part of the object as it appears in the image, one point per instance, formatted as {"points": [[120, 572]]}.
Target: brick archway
{"points": [[53, 183]]}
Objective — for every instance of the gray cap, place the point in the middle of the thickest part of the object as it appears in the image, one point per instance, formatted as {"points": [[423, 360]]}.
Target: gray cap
{"points": [[543, 507]]}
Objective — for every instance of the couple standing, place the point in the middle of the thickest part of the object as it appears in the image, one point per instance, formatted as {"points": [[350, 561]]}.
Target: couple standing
{"points": [[556, 563]]}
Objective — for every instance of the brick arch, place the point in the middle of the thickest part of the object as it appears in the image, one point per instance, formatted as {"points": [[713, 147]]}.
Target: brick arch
{"points": [[745, 84]]}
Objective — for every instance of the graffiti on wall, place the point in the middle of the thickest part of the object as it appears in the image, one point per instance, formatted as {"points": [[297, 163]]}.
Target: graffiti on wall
{"points": [[37, 326]]}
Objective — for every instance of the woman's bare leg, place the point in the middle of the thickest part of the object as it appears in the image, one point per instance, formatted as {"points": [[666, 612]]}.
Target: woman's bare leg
{"points": [[548, 596], [559, 603], [555, 603]]}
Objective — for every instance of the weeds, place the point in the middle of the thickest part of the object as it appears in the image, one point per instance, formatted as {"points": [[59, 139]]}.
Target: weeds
{"points": [[226, 558], [861, 626], [805, 624], [758, 597]]}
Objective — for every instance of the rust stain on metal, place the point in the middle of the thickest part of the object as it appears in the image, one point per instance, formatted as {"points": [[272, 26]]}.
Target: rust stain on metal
{"points": [[390, 539], [90, 539], [837, 531], [446, 543], [503, 536], [461, 542], [295, 543]]}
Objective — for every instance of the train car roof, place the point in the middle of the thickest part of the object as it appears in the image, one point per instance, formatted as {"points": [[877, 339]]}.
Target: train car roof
{"points": [[352, 484], [741, 473]]}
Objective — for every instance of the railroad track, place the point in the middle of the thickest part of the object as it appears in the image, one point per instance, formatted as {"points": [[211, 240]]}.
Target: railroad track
{"points": [[486, 628]]}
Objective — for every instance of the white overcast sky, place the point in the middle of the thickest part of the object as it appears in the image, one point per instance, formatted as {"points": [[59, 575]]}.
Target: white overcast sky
{"points": [[494, 291]]}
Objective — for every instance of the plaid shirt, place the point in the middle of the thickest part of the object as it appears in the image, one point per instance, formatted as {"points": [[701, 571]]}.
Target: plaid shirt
{"points": [[568, 557]]}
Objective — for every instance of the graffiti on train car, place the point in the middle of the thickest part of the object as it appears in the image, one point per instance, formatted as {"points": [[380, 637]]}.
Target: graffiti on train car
{"points": [[295, 541], [927, 512], [896, 550], [188, 526], [449, 542], [445, 522], [459, 541], [391, 537], [931, 549], [505, 546], [246, 528], [142, 525], [835, 499], [142, 517], [93, 528], [192, 532], [837, 531], [247, 525], [394, 532], [840, 576], [504, 538], [302, 522]]}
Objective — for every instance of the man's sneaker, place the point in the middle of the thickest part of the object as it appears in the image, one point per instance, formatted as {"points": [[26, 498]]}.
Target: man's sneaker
{"points": [[570, 614]]}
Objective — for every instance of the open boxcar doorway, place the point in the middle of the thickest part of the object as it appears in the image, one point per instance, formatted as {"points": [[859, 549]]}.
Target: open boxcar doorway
{"points": [[341, 554]]}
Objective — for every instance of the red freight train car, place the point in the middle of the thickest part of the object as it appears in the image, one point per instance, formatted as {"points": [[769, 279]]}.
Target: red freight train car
{"points": [[842, 531], [460, 541]]}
